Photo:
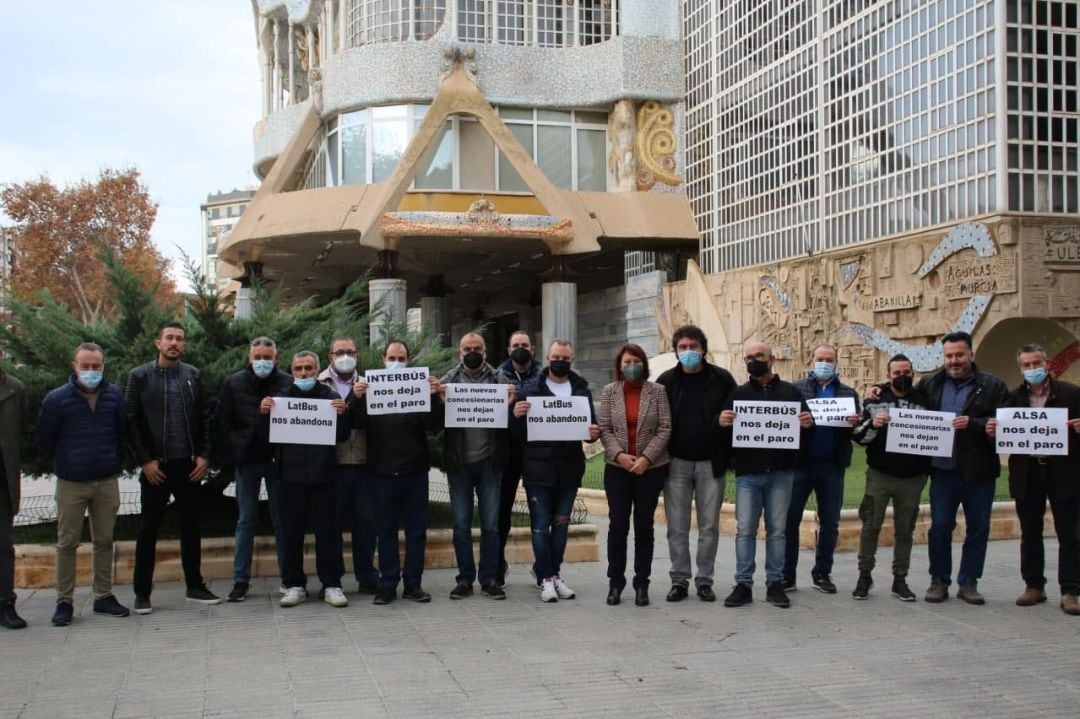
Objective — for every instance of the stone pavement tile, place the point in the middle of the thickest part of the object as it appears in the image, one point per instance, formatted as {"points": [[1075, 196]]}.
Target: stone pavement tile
{"points": [[366, 708]]}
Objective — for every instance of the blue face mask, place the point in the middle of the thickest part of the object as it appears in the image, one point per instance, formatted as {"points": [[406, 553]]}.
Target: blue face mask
{"points": [[392, 364], [262, 368], [689, 358], [1035, 376], [304, 385], [633, 371], [90, 378], [824, 370]]}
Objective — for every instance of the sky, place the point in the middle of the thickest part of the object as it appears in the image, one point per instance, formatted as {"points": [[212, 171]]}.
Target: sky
{"points": [[171, 88]]}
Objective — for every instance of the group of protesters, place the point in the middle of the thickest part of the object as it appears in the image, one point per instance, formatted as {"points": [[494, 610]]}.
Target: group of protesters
{"points": [[677, 436]]}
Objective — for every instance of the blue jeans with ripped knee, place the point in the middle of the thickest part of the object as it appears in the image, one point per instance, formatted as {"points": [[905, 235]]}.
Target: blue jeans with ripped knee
{"points": [[549, 511]]}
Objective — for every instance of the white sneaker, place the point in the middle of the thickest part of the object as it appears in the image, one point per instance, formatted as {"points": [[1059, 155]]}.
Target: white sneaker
{"points": [[293, 596], [548, 592], [335, 597], [282, 590], [563, 589]]}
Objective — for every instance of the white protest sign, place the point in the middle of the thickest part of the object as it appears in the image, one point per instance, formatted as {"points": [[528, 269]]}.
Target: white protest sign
{"points": [[766, 425], [302, 421], [559, 419], [398, 391], [831, 411], [920, 431], [476, 405], [1042, 431]]}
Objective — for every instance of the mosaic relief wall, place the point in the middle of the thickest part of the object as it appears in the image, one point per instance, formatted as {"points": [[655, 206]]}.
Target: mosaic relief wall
{"points": [[899, 296]]}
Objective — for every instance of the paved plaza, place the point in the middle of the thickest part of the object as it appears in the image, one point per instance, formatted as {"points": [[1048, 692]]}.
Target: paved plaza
{"points": [[825, 656]]}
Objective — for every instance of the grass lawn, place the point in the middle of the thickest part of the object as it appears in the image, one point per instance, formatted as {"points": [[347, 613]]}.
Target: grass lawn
{"points": [[854, 482]]}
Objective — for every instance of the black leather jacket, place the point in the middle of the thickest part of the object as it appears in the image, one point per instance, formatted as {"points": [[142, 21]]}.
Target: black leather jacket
{"points": [[144, 396]]}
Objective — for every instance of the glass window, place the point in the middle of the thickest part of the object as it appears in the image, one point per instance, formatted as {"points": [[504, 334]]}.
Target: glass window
{"points": [[438, 172], [509, 179], [477, 156], [592, 160], [554, 155], [354, 155], [390, 136]]}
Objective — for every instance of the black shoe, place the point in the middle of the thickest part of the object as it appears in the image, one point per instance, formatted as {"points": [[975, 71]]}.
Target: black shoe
{"points": [[789, 585], [417, 594], [740, 595], [493, 590], [367, 588], [142, 605], [500, 575], [201, 595], [706, 594], [901, 591], [109, 605], [9, 618], [862, 587], [776, 596], [63, 614], [462, 590], [937, 593], [614, 595], [968, 593], [823, 583], [677, 593], [641, 596], [385, 596], [239, 592]]}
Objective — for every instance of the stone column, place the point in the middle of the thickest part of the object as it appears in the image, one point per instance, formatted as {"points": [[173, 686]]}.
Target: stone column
{"points": [[558, 314], [386, 297], [244, 304], [435, 319]]}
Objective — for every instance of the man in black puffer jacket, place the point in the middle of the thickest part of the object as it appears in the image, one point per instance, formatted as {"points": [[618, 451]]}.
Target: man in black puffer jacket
{"points": [[305, 477], [243, 446], [81, 429], [553, 472]]}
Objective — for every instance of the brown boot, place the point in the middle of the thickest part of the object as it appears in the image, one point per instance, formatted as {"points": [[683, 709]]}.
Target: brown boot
{"points": [[1069, 605], [1031, 597]]}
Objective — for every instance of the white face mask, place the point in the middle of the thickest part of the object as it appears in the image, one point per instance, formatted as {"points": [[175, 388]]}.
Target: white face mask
{"points": [[345, 364], [393, 364]]}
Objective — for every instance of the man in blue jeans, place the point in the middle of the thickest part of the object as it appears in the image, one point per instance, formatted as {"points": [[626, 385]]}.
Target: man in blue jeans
{"points": [[474, 459], [237, 427], [763, 478], [969, 476], [553, 472], [826, 460]]}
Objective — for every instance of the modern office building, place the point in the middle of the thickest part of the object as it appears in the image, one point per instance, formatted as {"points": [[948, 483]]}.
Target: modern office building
{"points": [[492, 161], [876, 173], [220, 213]]}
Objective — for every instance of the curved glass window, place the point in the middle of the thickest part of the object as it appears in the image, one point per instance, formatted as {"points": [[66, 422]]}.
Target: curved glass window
{"points": [[375, 21], [365, 146]]}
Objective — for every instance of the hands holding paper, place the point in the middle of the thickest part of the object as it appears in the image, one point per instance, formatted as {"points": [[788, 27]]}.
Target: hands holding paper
{"points": [[266, 405], [359, 388], [961, 421], [991, 427], [806, 420]]}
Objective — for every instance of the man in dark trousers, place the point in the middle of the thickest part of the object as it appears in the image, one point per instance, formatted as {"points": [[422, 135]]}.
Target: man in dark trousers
{"points": [[1034, 478], [969, 476], [696, 391], [763, 478], [81, 431], [237, 425], [520, 368], [826, 461], [169, 430], [13, 412]]}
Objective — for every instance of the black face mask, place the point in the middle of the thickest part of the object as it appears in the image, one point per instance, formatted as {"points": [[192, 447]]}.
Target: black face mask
{"points": [[559, 368], [521, 356], [757, 368], [902, 384], [472, 360]]}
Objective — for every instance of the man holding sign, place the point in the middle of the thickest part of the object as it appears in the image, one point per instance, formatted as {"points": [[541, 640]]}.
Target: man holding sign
{"points": [[835, 407], [398, 413], [558, 408], [304, 422], [768, 423], [475, 447], [1045, 464], [968, 476]]}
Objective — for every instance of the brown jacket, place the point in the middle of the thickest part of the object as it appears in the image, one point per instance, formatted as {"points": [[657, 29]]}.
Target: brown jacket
{"points": [[1065, 468], [653, 424], [13, 412]]}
